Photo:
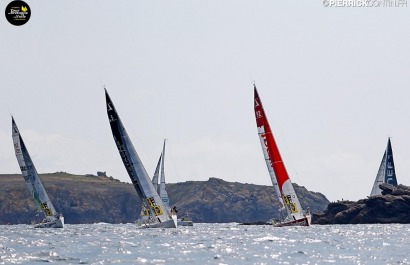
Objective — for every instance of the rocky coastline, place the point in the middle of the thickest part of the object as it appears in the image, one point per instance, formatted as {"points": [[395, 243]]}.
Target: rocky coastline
{"points": [[92, 199], [393, 206]]}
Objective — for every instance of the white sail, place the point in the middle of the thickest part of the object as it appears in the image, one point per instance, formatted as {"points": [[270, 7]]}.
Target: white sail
{"points": [[156, 174], [145, 214], [379, 178], [162, 188], [264, 144], [160, 216], [162, 191], [33, 182]]}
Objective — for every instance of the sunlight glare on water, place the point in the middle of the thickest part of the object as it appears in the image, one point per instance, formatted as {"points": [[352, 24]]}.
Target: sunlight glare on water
{"points": [[206, 244]]}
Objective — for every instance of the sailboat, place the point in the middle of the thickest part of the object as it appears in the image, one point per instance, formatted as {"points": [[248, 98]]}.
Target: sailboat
{"points": [[52, 219], [162, 190], [280, 179], [158, 213], [386, 173]]}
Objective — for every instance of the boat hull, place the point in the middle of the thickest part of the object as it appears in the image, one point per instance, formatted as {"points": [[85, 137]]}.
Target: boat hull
{"points": [[145, 223], [185, 222], [58, 223], [306, 221]]}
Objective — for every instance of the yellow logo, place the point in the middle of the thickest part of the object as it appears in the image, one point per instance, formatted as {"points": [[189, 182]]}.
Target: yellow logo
{"points": [[18, 12]]}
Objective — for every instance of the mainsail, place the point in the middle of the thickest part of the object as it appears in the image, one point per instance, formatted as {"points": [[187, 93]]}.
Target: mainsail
{"points": [[162, 188], [386, 173], [277, 171], [156, 174], [142, 183], [32, 180]]}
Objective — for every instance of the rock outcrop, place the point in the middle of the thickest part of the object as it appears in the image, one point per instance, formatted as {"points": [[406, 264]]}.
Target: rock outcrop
{"points": [[393, 206], [91, 199]]}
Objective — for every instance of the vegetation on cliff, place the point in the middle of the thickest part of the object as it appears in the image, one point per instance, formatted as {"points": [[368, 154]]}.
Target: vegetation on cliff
{"points": [[91, 199]]}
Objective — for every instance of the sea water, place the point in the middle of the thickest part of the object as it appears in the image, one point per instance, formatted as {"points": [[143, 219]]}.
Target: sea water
{"points": [[206, 244]]}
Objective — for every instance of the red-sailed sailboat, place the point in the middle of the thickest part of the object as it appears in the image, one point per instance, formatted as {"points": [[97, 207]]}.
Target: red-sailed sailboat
{"points": [[280, 179]]}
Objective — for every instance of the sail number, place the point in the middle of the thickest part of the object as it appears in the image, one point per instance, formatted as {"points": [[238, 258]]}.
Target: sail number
{"points": [[111, 117], [25, 168], [17, 148], [152, 204], [291, 205], [46, 209]]}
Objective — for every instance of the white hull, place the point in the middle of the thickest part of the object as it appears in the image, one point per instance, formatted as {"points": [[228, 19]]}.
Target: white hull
{"points": [[58, 223], [149, 224], [185, 222], [306, 221]]}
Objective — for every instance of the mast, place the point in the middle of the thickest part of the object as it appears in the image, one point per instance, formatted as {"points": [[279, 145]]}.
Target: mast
{"points": [[277, 171], [29, 172], [136, 171], [162, 189]]}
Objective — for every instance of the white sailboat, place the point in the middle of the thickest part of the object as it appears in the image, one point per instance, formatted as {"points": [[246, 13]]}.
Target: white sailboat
{"points": [[52, 219], [386, 173], [158, 214], [185, 221], [162, 191], [280, 179]]}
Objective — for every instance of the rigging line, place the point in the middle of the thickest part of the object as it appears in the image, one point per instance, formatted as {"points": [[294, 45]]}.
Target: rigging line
{"points": [[146, 156]]}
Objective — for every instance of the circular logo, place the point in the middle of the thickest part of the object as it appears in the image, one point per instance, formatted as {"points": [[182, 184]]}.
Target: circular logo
{"points": [[18, 13]]}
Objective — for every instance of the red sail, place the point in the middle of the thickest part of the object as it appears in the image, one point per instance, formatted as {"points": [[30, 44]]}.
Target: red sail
{"points": [[269, 141]]}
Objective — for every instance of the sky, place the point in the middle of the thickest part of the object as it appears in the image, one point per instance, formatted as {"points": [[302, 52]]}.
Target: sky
{"points": [[334, 82]]}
